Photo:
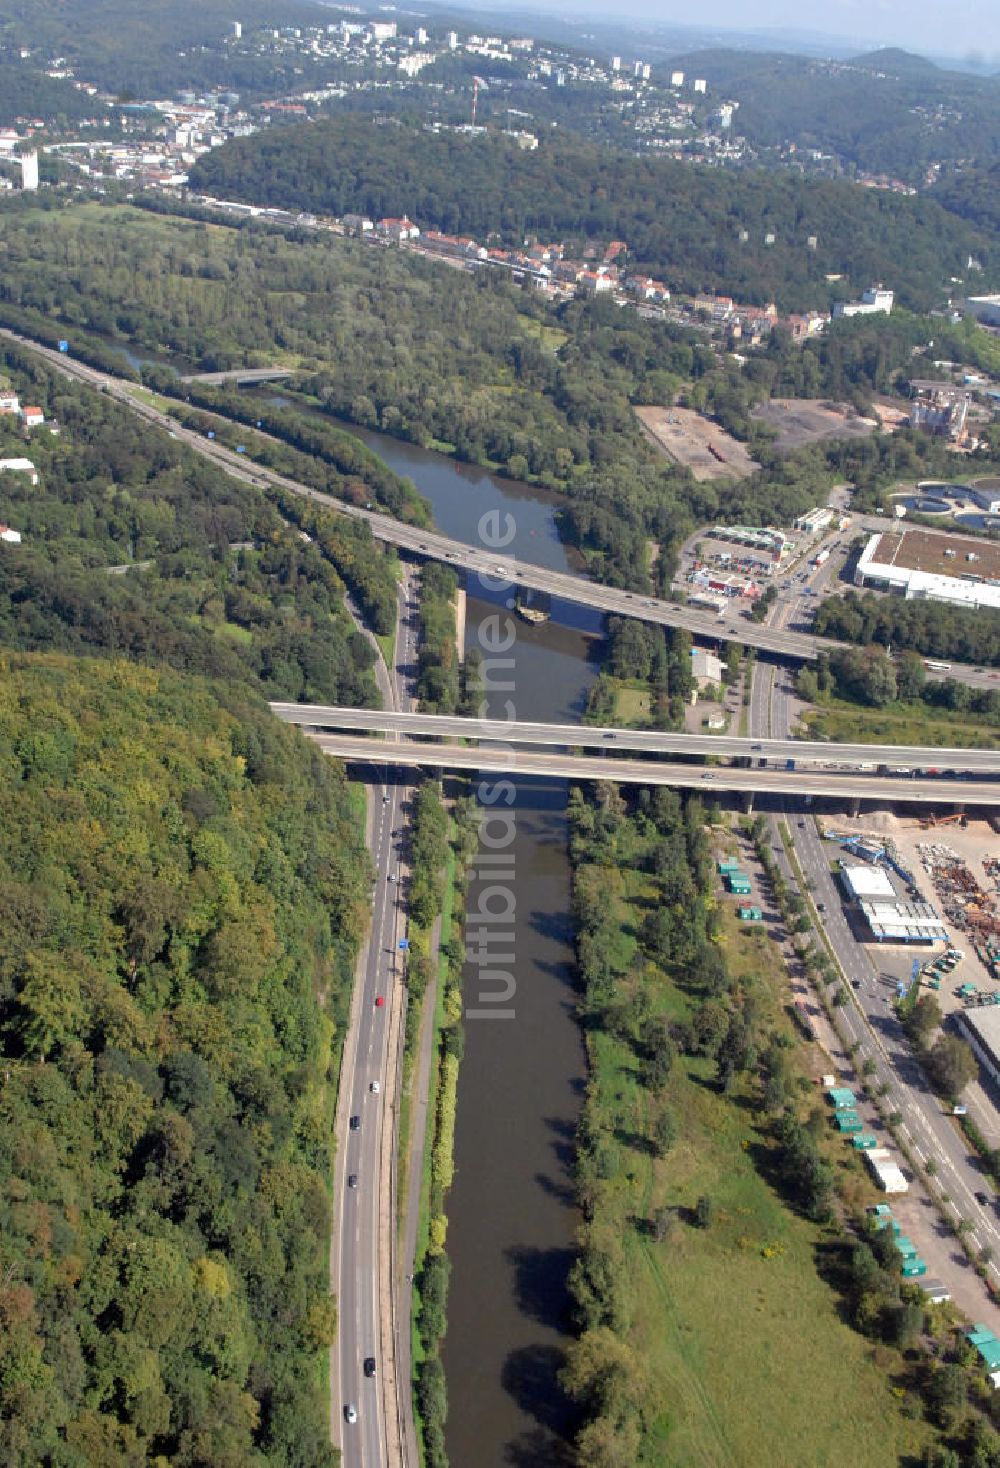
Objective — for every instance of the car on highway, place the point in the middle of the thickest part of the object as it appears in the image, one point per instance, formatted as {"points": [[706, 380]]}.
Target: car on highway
{"points": [[369, 1365], [611, 736], [379, 1002], [391, 877], [756, 746], [982, 1199], [355, 1123], [351, 1413], [352, 1179], [708, 777], [374, 1087]]}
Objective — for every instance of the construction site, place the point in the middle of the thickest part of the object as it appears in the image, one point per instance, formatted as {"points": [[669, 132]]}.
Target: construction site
{"points": [[696, 442]]}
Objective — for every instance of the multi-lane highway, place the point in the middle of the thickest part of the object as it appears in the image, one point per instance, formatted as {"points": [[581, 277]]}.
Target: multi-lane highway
{"points": [[503, 569], [446, 726], [362, 1246], [525, 760]]}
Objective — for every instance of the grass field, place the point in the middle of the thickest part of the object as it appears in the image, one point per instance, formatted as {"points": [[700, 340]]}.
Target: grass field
{"points": [[632, 705], [749, 1361], [900, 723]]}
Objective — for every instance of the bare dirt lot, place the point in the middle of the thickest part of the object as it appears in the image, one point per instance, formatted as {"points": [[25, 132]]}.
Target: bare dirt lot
{"points": [[696, 442], [800, 421]]}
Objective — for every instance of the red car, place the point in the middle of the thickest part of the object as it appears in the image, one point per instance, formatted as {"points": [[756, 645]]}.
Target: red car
{"points": [[379, 1002]]}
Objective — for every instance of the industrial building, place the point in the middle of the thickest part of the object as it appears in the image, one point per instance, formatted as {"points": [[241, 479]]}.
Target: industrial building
{"points": [[923, 567], [889, 919], [981, 1027]]}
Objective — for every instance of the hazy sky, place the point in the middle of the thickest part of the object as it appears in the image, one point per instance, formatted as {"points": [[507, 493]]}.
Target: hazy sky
{"points": [[967, 28]]}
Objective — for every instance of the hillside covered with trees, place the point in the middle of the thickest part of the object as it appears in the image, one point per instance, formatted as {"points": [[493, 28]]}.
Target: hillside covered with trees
{"points": [[886, 112], [134, 546], [183, 882], [680, 221]]}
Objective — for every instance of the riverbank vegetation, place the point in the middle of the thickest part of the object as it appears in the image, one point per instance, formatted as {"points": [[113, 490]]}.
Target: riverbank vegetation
{"points": [[442, 845], [184, 884], [438, 682], [706, 1174]]}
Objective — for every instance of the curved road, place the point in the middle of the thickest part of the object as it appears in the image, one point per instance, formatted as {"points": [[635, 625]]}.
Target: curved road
{"points": [[783, 643]]}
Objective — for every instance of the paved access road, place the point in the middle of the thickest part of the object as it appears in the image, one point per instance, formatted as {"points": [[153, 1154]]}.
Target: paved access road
{"points": [[445, 726], [870, 1021], [502, 569], [527, 761]]}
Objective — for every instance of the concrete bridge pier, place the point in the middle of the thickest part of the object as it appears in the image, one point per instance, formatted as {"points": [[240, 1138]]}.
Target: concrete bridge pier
{"points": [[854, 808], [748, 802]]}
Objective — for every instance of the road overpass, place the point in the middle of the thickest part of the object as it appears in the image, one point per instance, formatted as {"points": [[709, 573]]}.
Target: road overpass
{"points": [[240, 374], [816, 752], [495, 568], [885, 789]]}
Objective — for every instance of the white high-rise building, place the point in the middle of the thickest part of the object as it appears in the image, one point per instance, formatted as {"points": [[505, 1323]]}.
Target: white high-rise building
{"points": [[676, 78], [453, 40], [29, 171], [700, 85], [237, 30], [616, 63], [420, 36]]}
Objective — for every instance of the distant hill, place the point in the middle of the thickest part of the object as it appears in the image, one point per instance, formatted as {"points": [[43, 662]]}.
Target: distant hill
{"points": [[895, 59], [886, 112]]}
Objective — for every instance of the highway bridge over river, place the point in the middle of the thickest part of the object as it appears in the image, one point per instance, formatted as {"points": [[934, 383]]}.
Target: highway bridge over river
{"points": [[898, 760], [506, 756]]}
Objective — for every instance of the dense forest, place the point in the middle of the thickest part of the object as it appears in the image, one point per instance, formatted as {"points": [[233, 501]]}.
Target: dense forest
{"points": [[184, 881], [679, 221], [888, 112], [133, 545]]}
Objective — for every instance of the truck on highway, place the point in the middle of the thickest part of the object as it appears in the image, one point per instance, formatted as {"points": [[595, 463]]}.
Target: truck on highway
{"points": [[789, 764]]}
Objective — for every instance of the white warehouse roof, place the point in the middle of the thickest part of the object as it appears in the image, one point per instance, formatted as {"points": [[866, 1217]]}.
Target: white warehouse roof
{"points": [[923, 585], [865, 881], [904, 922]]}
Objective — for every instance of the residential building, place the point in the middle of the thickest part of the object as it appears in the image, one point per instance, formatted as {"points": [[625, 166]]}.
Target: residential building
{"points": [[12, 537], [32, 417], [19, 466], [397, 230]]}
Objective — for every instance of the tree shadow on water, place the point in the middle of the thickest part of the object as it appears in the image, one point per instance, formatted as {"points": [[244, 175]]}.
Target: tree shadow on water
{"points": [[540, 1283], [531, 1378]]}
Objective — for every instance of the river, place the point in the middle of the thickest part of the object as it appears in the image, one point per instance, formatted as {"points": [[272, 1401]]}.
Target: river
{"points": [[512, 1216]]}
